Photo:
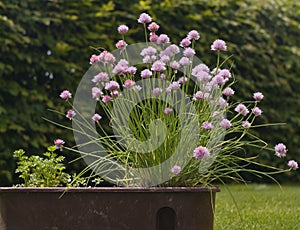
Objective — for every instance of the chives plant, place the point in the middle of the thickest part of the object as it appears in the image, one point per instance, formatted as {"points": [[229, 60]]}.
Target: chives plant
{"points": [[153, 114]]}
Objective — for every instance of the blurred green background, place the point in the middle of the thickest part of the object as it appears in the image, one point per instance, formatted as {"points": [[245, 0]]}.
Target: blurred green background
{"points": [[45, 48]]}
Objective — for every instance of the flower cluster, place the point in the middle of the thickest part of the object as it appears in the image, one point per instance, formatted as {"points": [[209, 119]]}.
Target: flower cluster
{"points": [[176, 66]]}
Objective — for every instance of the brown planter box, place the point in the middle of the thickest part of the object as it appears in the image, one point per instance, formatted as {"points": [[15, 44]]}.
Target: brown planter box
{"points": [[107, 208]]}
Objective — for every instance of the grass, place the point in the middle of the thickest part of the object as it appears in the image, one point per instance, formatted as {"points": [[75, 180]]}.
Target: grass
{"points": [[259, 207]]}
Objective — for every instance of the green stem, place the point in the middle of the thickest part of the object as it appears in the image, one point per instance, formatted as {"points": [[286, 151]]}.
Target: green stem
{"points": [[146, 36]]}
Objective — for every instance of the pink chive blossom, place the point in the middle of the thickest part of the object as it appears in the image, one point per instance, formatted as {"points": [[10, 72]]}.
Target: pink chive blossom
{"points": [[200, 152], [94, 58], [144, 18], [193, 35], [149, 51], [293, 164], [280, 150], [225, 123], [242, 109], [146, 73], [182, 80], [198, 95], [201, 72], [131, 70], [119, 69], [219, 80], [121, 44], [70, 114], [149, 59], [189, 52], [100, 77], [170, 50], [158, 66], [206, 95], [215, 71], [246, 124], [112, 85], [201, 67], [175, 65], [184, 61], [106, 99], [153, 27], [65, 95], [176, 169], [168, 90], [167, 111], [210, 86], [228, 92], [258, 96], [122, 29], [207, 125], [96, 117], [157, 91], [223, 103], [219, 45], [225, 73], [106, 57], [185, 42], [128, 83], [163, 39], [257, 111], [123, 62], [165, 59], [59, 144], [174, 85], [163, 76], [202, 76], [115, 93], [137, 88], [96, 93], [153, 37]]}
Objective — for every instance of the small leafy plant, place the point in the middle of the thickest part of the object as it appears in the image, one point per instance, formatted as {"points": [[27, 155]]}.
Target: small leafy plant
{"points": [[47, 171]]}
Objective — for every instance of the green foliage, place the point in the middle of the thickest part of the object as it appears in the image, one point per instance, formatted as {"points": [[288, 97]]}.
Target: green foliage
{"points": [[47, 171], [44, 45], [45, 49]]}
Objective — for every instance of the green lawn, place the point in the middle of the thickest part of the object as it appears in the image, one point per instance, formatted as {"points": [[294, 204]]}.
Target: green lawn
{"points": [[259, 207]]}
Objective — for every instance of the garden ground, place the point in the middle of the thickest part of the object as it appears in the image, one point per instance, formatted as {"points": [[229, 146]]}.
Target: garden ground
{"points": [[259, 207]]}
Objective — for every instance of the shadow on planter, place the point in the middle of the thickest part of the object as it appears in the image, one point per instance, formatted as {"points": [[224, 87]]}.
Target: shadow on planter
{"points": [[107, 208], [166, 218]]}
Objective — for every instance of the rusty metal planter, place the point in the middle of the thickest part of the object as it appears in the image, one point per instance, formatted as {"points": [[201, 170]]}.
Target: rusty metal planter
{"points": [[107, 208]]}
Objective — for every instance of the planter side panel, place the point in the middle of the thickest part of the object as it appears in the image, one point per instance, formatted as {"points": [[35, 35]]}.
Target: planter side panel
{"points": [[107, 211]]}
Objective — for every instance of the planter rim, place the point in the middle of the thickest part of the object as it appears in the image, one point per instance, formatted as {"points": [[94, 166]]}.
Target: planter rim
{"points": [[109, 189]]}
